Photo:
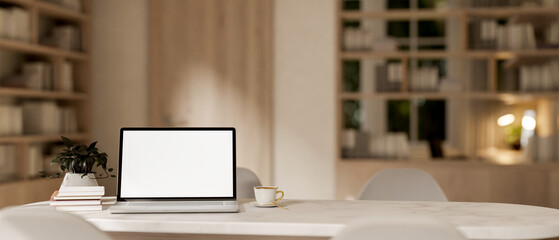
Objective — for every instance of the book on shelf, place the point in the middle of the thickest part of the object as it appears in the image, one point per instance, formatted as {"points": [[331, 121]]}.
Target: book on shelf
{"points": [[7, 162], [66, 37], [388, 77], [11, 120], [46, 117], [357, 39], [425, 79], [15, 24], [515, 35], [36, 75], [66, 77], [539, 77], [40, 117], [35, 159]]}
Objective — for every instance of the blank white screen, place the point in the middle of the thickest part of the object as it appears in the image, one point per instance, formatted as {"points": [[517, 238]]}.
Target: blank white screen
{"points": [[177, 163]]}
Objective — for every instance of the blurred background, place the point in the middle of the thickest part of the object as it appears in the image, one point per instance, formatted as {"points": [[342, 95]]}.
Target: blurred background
{"points": [[323, 93]]}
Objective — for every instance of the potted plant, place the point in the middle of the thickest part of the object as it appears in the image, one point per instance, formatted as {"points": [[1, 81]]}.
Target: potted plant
{"points": [[78, 162]]}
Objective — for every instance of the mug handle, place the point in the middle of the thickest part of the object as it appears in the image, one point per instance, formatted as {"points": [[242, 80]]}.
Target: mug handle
{"points": [[277, 199]]}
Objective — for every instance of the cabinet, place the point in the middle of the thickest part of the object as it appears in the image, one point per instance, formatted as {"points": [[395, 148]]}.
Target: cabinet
{"points": [[44, 90]]}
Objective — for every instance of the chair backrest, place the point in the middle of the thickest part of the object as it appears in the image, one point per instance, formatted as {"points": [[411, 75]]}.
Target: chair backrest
{"points": [[246, 180], [402, 184], [34, 223], [399, 228]]}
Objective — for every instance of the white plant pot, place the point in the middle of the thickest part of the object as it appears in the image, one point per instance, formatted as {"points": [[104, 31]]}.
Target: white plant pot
{"points": [[76, 180]]}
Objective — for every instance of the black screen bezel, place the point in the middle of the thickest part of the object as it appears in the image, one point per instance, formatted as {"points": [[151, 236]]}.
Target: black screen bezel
{"points": [[232, 129]]}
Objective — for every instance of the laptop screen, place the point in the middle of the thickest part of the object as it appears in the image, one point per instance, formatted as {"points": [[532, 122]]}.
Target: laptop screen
{"points": [[177, 163]]}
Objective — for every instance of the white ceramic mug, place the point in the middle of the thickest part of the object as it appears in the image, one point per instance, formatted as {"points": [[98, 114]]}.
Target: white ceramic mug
{"points": [[267, 194]]}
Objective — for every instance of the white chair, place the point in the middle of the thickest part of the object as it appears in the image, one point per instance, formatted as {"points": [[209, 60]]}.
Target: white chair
{"points": [[246, 180], [402, 184], [36, 223], [399, 228]]}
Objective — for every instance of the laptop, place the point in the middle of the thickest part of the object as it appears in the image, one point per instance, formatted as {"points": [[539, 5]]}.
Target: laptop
{"points": [[171, 170]]}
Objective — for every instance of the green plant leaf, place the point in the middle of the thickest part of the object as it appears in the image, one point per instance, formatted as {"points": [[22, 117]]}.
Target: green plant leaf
{"points": [[67, 142], [92, 146]]}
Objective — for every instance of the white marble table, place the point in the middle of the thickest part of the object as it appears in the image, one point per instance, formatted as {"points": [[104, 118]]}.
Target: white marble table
{"points": [[324, 218]]}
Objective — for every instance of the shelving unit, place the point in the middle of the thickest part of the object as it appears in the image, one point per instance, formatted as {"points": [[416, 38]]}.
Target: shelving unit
{"points": [[25, 188], [353, 171]]}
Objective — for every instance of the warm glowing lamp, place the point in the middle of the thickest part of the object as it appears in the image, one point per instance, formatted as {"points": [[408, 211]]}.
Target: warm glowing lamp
{"points": [[505, 120], [528, 123]]}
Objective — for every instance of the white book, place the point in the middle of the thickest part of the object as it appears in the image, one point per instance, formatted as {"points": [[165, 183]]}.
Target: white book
{"points": [[2, 23], [81, 197], [530, 38], [536, 79], [11, 25], [501, 32], [523, 78], [514, 32], [35, 159], [40, 117], [75, 202], [16, 120], [546, 79], [434, 79], [80, 208], [81, 189], [393, 73], [34, 72], [484, 34], [67, 77], [20, 17]]}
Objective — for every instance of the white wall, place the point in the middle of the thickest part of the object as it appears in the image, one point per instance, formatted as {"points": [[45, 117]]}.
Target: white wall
{"points": [[304, 98], [119, 73]]}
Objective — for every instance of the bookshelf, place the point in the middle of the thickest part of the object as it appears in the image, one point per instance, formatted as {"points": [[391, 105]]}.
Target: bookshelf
{"points": [[473, 96], [68, 87]]}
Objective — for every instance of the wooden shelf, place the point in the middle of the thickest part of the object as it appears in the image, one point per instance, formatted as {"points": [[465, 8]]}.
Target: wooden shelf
{"points": [[25, 139], [400, 54], [511, 11], [41, 50], [448, 13], [26, 93], [23, 3], [449, 95], [59, 12], [353, 55], [50, 9], [402, 14]]}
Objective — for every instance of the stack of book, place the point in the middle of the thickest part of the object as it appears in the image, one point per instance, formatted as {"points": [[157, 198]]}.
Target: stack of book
{"points": [[488, 34], [87, 198], [15, 24], [11, 120], [36, 75], [539, 77], [425, 79], [46, 117], [66, 37]]}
